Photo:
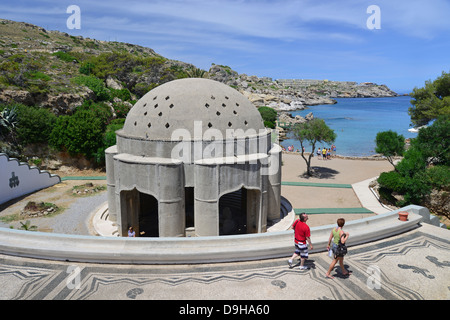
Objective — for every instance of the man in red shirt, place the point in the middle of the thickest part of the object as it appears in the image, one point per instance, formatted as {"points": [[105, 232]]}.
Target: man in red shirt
{"points": [[302, 237]]}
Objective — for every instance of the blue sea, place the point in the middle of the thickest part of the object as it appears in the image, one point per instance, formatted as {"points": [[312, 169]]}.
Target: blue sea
{"points": [[356, 121]]}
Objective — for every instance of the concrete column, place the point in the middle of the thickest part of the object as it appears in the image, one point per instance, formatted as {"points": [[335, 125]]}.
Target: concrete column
{"points": [[171, 200], [111, 182], [206, 200], [264, 204], [274, 185]]}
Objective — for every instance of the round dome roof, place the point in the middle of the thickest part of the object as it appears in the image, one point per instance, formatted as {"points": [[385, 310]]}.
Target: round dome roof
{"points": [[180, 104]]}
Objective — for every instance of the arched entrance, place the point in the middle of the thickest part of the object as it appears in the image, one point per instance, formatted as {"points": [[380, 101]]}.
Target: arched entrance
{"points": [[239, 211], [140, 211], [148, 216]]}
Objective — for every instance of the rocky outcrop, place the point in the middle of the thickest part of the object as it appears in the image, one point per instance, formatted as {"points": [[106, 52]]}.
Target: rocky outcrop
{"points": [[265, 91], [287, 118], [438, 202], [63, 103], [293, 94], [16, 96]]}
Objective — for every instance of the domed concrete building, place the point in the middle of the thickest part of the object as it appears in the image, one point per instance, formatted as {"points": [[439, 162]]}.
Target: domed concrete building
{"points": [[193, 159]]}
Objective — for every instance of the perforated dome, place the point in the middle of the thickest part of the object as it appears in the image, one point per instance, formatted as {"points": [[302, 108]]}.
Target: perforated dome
{"points": [[181, 103]]}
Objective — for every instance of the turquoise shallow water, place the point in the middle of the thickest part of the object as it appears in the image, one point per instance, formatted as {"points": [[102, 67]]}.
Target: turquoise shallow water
{"points": [[356, 121]]}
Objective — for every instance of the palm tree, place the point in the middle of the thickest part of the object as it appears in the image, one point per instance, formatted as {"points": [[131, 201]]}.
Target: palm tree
{"points": [[197, 73]]}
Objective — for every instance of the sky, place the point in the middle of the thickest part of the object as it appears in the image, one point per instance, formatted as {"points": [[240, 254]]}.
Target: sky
{"points": [[400, 43]]}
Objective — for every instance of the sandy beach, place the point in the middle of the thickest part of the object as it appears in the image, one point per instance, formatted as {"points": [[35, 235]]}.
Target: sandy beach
{"points": [[334, 171]]}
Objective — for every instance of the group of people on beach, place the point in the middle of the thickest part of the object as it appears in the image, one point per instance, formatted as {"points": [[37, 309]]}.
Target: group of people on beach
{"points": [[325, 153], [291, 149], [322, 153], [302, 238]]}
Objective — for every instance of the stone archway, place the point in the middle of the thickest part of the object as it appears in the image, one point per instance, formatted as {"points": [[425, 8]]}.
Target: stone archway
{"points": [[148, 215], [140, 211], [239, 211]]}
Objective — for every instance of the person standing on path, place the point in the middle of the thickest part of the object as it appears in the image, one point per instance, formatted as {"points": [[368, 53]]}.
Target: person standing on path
{"points": [[336, 235], [302, 238]]}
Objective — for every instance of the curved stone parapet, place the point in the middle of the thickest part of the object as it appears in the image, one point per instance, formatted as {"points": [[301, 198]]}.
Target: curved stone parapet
{"points": [[18, 178], [122, 250]]}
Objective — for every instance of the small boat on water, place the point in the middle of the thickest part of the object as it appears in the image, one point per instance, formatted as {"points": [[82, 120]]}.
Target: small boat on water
{"points": [[416, 129]]}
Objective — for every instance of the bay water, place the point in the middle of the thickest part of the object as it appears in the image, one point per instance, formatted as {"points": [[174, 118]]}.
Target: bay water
{"points": [[356, 122]]}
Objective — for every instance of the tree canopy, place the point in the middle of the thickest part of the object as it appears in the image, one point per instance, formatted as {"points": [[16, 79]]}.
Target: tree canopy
{"points": [[431, 101], [423, 168], [390, 144]]}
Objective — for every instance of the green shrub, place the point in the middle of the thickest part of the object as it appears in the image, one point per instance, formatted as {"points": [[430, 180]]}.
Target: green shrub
{"points": [[416, 189], [121, 64], [64, 56], [95, 84], [81, 133], [86, 68], [438, 177], [269, 124], [100, 110], [269, 116], [121, 109], [141, 88], [37, 75], [412, 163], [34, 124], [392, 180], [122, 94], [109, 139]]}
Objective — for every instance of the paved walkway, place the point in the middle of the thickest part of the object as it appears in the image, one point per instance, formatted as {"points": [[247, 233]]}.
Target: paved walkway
{"points": [[411, 266]]}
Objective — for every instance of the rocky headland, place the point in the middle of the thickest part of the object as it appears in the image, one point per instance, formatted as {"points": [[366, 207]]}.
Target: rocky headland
{"points": [[295, 94]]}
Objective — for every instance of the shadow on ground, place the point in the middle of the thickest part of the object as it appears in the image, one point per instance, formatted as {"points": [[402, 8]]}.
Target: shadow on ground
{"points": [[320, 173]]}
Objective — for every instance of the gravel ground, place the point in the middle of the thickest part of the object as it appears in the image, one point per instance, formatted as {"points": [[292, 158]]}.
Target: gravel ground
{"points": [[77, 214], [76, 218]]}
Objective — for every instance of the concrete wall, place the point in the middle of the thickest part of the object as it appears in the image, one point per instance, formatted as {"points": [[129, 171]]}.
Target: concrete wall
{"points": [[18, 179], [194, 150]]}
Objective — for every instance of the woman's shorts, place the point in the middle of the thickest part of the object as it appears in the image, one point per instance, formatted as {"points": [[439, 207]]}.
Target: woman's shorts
{"points": [[302, 250]]}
